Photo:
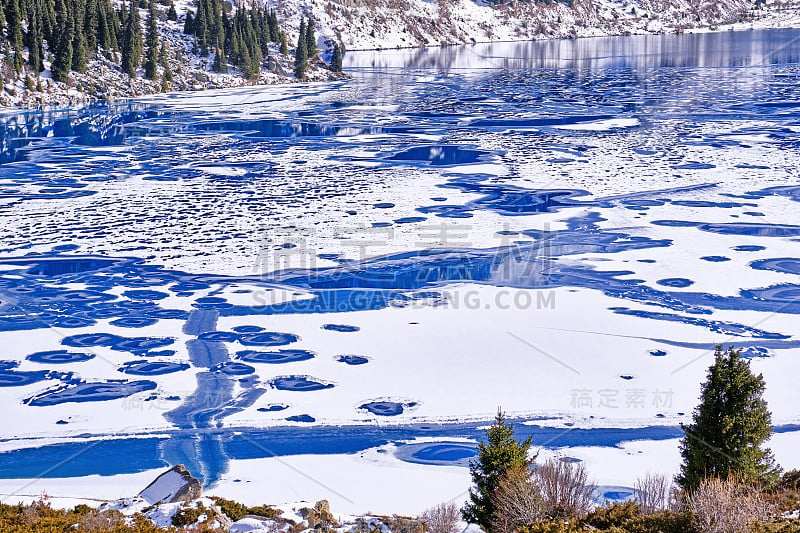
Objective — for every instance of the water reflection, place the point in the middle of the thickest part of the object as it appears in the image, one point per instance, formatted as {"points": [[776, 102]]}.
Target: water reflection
{"points": [[725, 49]]}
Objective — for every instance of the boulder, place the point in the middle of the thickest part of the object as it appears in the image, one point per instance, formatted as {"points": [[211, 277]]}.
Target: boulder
{"points": [[318, 517], [174, 485], [274, 66], [398, 524]]}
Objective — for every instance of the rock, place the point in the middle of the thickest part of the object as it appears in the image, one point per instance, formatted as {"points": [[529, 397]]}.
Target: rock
{"points": [[318, 517], [274, 66], [222, 521], [174, 485], [405, 525]]}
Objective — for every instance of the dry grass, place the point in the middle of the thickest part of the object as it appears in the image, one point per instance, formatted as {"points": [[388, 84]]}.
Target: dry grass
{"points": [[727, 506], [653, 493], [442, 518], [565, 488], [518, 500]]}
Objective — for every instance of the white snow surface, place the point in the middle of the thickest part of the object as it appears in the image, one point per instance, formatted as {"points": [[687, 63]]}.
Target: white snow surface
{"points": [[571, 356]]}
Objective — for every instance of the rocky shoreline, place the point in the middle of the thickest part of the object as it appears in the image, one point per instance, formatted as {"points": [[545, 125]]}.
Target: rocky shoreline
{"points": [[103, 81]]}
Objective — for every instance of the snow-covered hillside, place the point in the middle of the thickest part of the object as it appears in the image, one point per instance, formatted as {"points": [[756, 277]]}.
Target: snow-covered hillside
{"points": [[105, 80], [381, 24]]}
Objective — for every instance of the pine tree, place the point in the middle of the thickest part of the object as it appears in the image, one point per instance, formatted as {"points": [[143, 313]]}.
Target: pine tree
{"points": [[336, 58], [123, 19], [274, 31], [729, 426], [188, 24], [495, 457], [64, 35], [48, 19], [220, 61], [34, 40], [79, 45], [14, 25], [264, 31], [172, 15], [227, 27], [163, 59], [132, 41], [201, 28], [91, 24], [301, 54], [284, 45], [311, 40], [151, 62], [106, 26], [113, 27]]}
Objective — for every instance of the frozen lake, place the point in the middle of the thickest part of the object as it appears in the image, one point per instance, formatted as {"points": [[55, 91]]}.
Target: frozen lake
{"points": [[303, 289]]}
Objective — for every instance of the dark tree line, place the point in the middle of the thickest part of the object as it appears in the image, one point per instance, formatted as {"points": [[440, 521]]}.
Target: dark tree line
{"points": [[70, 33], [306, 50], [71, 29], [241, 39]]}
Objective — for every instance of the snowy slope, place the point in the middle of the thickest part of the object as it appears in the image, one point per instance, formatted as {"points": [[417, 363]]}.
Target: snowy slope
{"points": [[383, 24]]}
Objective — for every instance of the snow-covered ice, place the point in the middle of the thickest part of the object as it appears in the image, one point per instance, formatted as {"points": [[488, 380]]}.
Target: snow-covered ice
{"points": [[279, 286]]}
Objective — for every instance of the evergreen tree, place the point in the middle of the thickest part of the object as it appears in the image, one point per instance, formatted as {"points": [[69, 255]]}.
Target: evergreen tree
{"points": [[201, 28], [274, 31], [151, 62], [172, 15], [495, 457], [188, 24], [106, 26], [729, 426], [132, 41], [311, 40], [284, 45], [301, 54], [91, 23], [34, 40], [264, 31], [163, 59], [79, 45], [14, 25], [114, 26], [48, 19], [123, 20], [227, 28], [220, 61], [62, 55], [336, 58]]}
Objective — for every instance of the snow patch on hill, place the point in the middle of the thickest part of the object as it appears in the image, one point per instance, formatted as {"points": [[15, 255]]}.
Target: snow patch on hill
{"points": [[104, 80], [382, 24]]}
